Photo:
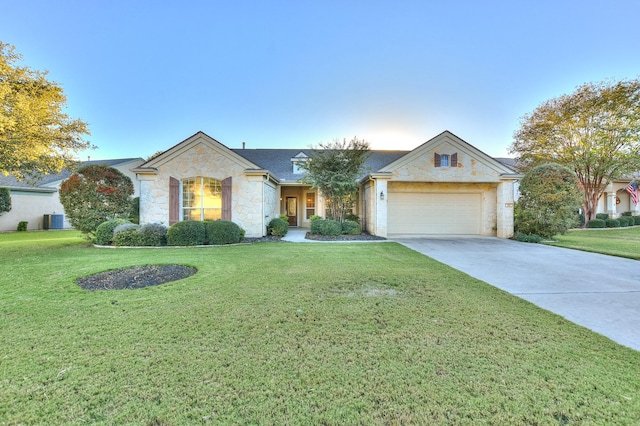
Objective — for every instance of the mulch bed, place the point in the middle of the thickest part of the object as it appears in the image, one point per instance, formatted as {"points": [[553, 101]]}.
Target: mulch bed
{"points": [[135, 277]]}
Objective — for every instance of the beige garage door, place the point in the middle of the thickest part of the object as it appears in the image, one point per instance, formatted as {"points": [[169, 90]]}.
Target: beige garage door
{"points": [[434, 213]]}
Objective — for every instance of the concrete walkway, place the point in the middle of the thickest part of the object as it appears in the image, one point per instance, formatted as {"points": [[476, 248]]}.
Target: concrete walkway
{"points": [[596, 291]]}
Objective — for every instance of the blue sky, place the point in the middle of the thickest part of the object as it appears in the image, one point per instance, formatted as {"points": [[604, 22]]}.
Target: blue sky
{"points": [[286, 74]]}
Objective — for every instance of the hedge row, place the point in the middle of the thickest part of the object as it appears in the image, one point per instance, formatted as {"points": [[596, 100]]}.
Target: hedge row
{"points": [[603, 221], [334, 228], [120, 232]]}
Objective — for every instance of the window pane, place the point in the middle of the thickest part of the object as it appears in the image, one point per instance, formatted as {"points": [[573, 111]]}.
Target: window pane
{"points": [[212, 214], [444, 160]]}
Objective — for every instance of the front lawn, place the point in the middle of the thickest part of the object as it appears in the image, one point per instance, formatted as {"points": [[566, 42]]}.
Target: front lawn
{"points": [[290, 333], [623, 242]]}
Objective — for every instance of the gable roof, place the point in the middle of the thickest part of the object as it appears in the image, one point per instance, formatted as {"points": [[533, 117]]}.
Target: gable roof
{"points": [[150, 166], [450, 138], [46, 181]]}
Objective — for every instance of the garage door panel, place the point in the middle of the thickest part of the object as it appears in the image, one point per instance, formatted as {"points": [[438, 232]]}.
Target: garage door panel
{"points": [[434, 213]]}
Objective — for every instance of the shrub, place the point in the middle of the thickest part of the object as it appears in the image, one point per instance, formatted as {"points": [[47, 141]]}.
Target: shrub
{"points": [[222, 232], [278, 227], [186, 233], [152, 235], [104, 232], [612, 223], [352, 217], [549, 198], [314, 217], [627, 214], [624, 221], [5, 200], [603, 216], [326, 227], [134, 215], [95, 194], [350, 227], [636, 220], [22, 226], [596, 223], [528, 238], [127, 235]]}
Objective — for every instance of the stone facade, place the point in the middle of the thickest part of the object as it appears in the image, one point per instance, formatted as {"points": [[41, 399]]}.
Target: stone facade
{"points": [[202, 156]]}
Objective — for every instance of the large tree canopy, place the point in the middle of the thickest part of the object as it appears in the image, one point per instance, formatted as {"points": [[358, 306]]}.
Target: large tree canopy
{"points": [[334, 169], [594, 131], [36, 136]]}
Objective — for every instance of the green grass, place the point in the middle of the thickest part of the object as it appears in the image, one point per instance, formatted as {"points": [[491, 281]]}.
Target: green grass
{"points": [[284, 333], [622, 242]]}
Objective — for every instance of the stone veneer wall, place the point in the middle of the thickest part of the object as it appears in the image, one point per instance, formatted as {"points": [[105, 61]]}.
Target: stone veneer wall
{"points": [[202, 160]]}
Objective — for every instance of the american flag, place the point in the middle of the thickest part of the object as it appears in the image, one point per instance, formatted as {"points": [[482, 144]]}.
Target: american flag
{"points": [[632, 189]]}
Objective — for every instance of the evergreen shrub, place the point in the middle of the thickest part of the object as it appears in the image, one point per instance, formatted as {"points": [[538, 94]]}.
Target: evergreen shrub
{"points": [[186, 233], [278, 227], [22, 226], [222, 232], [603, 216], [104, 232], [126, 235], [596, 223], [624, 221], [527, 238], [351, 227], [326, 227], [612, 223], [151, 235]]}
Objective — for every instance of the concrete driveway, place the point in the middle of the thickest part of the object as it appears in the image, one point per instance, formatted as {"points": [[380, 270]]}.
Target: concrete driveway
{"points": [[596, 291]]}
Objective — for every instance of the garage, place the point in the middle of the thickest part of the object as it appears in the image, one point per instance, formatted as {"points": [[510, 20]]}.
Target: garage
{"points": [[435, 213]]}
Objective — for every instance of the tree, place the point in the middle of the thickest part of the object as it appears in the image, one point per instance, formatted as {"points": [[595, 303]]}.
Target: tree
{"points": [[5, 200], [549, 200], [94, 195], [334, 168], [595, 132], [36, 136]]}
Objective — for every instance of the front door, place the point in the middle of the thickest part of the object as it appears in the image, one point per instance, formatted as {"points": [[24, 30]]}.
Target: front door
{"points": [[292, 211]]}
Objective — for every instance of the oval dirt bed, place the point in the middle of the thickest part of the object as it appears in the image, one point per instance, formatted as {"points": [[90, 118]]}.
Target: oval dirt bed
{"points": [[135, 277]]}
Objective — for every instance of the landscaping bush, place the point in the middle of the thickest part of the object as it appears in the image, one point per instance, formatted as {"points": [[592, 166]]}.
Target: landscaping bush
{"points": [[528, 238], [612, 223], [104, 232], [152, 235], [350, 227], [222, 232], [134, 215], [186, 233], [127, 235], [603, 216], [352, 217], [326, 227], [278, 227], [22, 226], [627, 214], [314, 217], [624, 221], [596, 223], [636, 220]]}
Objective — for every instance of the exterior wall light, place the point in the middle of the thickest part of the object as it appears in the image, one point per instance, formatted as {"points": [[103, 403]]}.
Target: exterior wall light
{"points": [[381, 195]]}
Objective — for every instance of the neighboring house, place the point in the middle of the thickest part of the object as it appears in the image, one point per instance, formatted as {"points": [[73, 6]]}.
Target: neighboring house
{"points": [[444, 186], [32, 201]]}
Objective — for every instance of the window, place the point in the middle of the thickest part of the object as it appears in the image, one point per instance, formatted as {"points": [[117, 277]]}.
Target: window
{"points": [[445, 160], [201, 198], [310, 205]]}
